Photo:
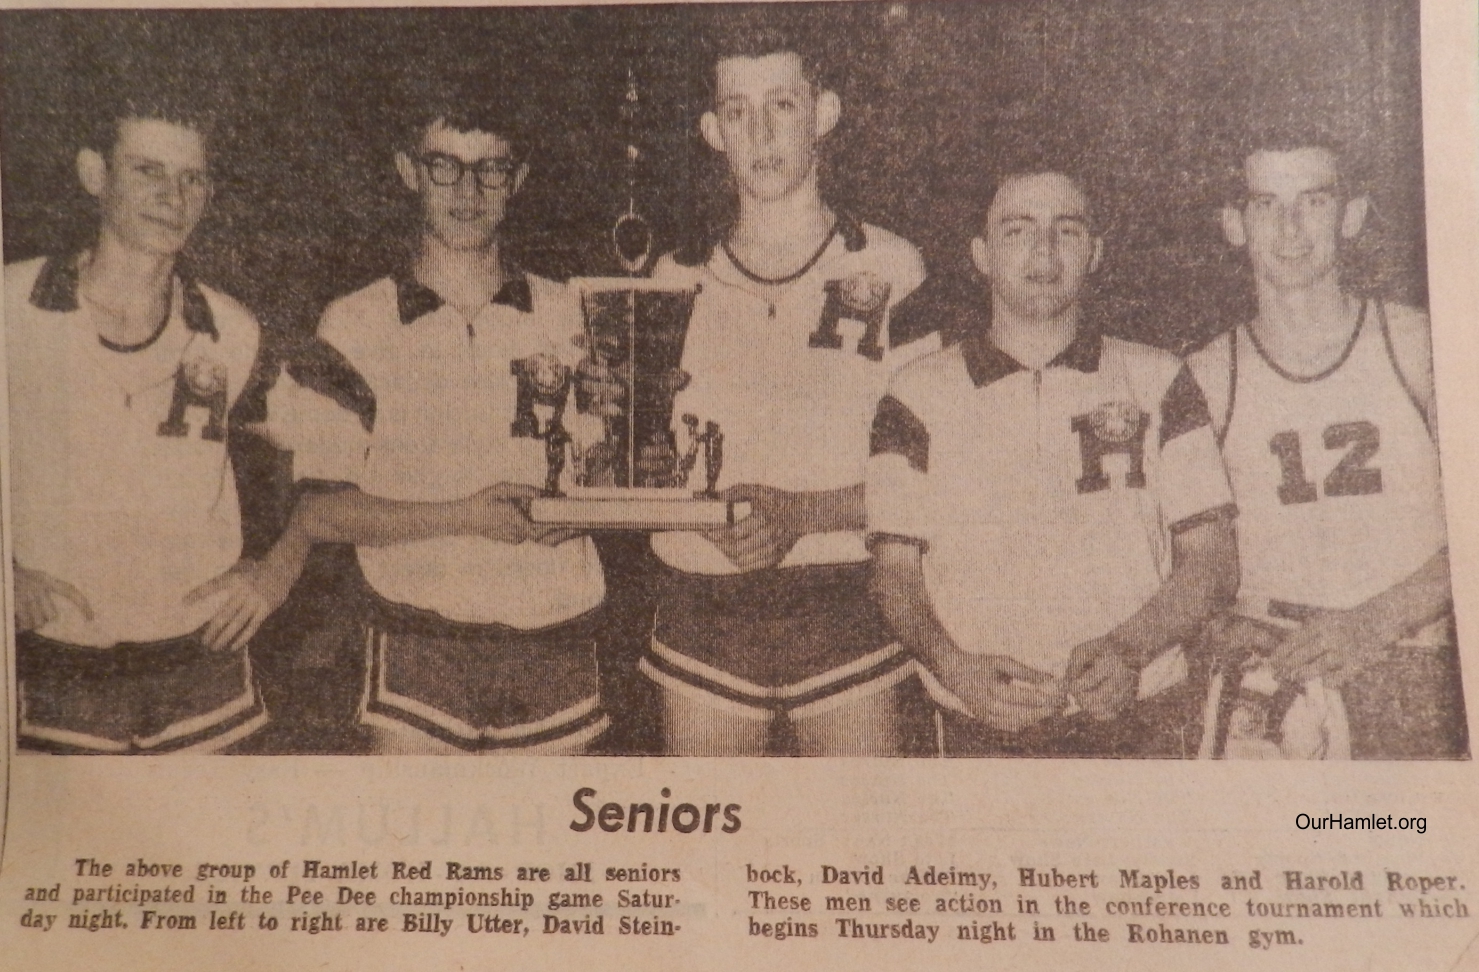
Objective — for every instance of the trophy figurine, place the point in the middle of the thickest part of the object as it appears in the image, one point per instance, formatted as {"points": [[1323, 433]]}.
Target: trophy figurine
{"points": [[713, 458], [555, 442], [695, 442], [616, 463]]}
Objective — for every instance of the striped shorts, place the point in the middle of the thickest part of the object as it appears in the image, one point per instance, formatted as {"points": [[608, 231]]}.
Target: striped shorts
{"points": [[134, 698], [481, 687], [796, 639]]}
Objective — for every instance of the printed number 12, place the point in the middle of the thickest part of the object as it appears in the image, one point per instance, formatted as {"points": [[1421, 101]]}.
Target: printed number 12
{"points": [[1350, 477]]}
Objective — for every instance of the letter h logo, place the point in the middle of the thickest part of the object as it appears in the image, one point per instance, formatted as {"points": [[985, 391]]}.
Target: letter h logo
{"points": [[863, 298], [199, 384], [1114, 427]]}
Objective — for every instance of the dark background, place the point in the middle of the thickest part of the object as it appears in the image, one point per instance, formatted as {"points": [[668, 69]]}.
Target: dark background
{"points": [[1151, 93]]}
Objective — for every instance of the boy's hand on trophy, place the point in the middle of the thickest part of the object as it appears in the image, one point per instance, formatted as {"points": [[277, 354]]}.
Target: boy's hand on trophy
{"points": [[762, 539], [501, 513]]}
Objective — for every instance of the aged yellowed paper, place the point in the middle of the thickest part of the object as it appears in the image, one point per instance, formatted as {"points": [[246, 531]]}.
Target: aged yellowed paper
{"points": [[331, 841]]}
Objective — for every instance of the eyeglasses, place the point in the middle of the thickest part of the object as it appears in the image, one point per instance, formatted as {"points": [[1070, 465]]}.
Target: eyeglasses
{"points": [[447, 170]]}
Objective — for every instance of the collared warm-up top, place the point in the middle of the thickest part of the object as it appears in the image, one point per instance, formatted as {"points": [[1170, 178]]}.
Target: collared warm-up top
{"points": [[121, 482], [1044, 500], [792, 376], [412, 401]]}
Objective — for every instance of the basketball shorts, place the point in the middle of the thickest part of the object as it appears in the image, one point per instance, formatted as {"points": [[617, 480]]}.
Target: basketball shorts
{"points": [[481, 687], [1409, 705], [134, 698], [797, 639]]}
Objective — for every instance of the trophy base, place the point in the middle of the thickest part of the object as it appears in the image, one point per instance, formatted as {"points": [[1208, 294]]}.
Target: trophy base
{"points": [[636, 509]]}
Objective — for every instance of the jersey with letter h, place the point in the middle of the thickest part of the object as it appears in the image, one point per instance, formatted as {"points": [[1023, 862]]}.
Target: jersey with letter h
{"points": [[1045, 499], [457, 405], [792, 376], [122, 486]]}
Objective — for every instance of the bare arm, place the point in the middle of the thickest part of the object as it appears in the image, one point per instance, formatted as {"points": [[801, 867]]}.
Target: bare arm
{"points": [[1337, 645], [1000, 691], [1422, 596], [351, 516], [254, 589], [1103, 673], [824, 511], [1203, 580], [779, 518], [897, 585]]}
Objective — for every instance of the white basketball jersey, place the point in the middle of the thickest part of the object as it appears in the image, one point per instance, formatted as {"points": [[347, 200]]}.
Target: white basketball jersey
{"points": [[1335, 475], [793, 379], [453, 414], [121, 484]]}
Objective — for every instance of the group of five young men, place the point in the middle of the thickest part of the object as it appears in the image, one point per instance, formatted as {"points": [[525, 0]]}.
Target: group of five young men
{"points": [[1036, 519]]}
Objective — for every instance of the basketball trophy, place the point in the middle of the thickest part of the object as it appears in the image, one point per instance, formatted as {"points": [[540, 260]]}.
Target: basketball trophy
{"points": [[620, 462]]}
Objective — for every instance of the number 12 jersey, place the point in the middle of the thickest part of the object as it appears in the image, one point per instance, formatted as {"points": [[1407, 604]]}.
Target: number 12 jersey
{"points": [[1335, 474]]}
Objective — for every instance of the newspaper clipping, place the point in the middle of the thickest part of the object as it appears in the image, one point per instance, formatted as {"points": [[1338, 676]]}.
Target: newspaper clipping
{"points": [[906, 476]]}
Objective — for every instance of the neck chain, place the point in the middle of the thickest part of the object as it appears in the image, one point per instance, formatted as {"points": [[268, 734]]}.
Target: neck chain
{"points": [[789, 278], [120, 316], [1334, 366]]}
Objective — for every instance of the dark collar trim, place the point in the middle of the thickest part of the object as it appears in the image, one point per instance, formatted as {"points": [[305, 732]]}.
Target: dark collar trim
{"points": [[414, 299], [516, 293], [1334, 366], [143, 345], [57, 283], [197, 311], [986, 363], [805, 268], [851, 231], [1082, 353]]}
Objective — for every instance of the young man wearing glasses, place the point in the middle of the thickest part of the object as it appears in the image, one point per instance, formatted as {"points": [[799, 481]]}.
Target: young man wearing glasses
{"points": [[421, 412], [132, 611]]}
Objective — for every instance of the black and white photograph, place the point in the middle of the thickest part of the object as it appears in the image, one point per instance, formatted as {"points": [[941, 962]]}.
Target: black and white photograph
{"points": [[1084, 387], [1014, 379]]}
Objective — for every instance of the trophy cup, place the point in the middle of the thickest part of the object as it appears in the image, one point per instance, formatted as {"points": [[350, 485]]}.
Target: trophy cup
{"points": [[629, 470], [626, 469]]}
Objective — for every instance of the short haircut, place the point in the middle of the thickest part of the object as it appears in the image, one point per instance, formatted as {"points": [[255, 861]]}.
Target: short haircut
{"points": [[469, 102], [1289, 136], [195, 107], [760, 32], [1043, 156]]}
